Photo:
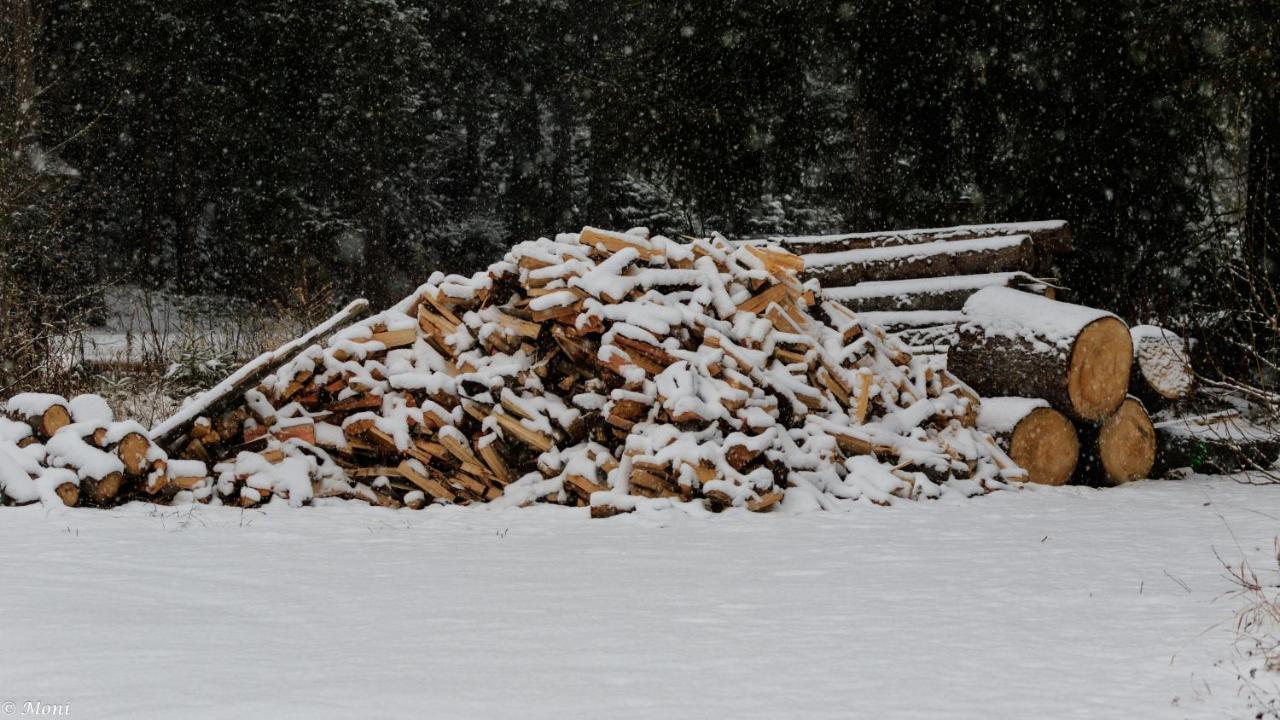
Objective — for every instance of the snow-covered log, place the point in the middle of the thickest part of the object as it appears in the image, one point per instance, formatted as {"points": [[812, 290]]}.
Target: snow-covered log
{"points": [[935, 259], [1223, 442], [44, 412], [1038, 438], [1161, 371], [1121, 449], [940, 293], [1019, 344], [1053, 236]]}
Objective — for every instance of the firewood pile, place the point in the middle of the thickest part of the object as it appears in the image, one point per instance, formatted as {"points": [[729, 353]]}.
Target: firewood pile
{"points": [[615, 370], [1067, 389]]}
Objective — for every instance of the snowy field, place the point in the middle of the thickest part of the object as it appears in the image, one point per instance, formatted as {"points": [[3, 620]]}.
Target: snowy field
{"points": [[1047, 603]]}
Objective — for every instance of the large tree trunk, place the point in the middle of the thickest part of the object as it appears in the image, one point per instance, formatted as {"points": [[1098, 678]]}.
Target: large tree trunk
{"points": [[1019, 344], [1262, 201], [1120, 450], [1051, 236], [23, 52], [928, 260], [944, 293], [1217, 443], [1040, 439]]}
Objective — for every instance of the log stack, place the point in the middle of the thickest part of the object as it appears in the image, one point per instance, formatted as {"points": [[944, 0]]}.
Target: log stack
{"points": [[74, 451], [615, 370], [915, 282], [1076, 359]]}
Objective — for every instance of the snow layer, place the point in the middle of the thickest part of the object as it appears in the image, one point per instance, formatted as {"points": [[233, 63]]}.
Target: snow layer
{"points": [[1005, 311], [908, 252], [1002, 414], [1049, 603]]}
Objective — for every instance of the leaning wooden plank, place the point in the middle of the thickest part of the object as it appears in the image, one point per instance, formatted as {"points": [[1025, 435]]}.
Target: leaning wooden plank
{"points": [[1018, 344], [941, 293], [230, 391], [961, 257], [1053, 236]]}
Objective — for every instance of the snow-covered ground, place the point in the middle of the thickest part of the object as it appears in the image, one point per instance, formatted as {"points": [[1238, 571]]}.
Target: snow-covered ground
{"points": [[1047, 603]]}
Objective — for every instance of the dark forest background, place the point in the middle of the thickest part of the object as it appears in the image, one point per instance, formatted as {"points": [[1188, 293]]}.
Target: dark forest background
{"points": [[259, 149]]}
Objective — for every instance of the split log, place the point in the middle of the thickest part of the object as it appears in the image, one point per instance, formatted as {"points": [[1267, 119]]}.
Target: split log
{"points": [[1038, 438], [930, 260], [1217, 443], [1161, 373], [1120, 450], [941, 293], [1051, 236], [1016, 343]]}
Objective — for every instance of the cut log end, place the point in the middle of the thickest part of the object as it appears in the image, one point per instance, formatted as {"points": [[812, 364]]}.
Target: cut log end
{"points": [[1162, 365], [1044, 443], [132, 451], [53, 420], [1127, 443], [1098, 377]]}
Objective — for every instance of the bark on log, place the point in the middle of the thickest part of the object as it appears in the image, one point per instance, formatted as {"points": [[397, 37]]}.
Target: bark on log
{"points": [[943, 293], [1040, 439], [936, 259], [1018, 344], [1120, 450], [1051, 236], [1161, 373], [1217, 443]]}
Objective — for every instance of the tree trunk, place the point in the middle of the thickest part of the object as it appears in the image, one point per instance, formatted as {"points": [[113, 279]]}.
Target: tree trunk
{"points": [[928, 260], [1050, 236], [1262, 200], [1019, 344], [24, 68], [1219, 443], [947, 293]]}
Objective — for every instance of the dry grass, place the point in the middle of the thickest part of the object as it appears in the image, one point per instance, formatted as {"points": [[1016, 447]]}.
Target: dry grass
{"points": [[1258, 636]]}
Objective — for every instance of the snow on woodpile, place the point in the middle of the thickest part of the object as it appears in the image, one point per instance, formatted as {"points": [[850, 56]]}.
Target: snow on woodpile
{"points": [[609, 369]]}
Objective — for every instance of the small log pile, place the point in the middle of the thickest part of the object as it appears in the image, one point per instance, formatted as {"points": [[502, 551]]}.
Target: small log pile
{"points": [[1078, 360], [615, 370], [74, 452]]}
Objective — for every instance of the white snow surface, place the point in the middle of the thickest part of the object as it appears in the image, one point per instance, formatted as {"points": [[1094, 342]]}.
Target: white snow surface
{"points": [[1046, 603]]}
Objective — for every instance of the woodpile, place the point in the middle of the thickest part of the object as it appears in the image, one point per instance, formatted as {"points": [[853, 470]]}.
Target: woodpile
{"points": [[615, 370], [76, 452]]}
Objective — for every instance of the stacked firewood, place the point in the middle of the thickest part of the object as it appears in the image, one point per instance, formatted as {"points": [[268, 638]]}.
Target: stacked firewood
{"points": [[615, 370], [74, 452]]}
